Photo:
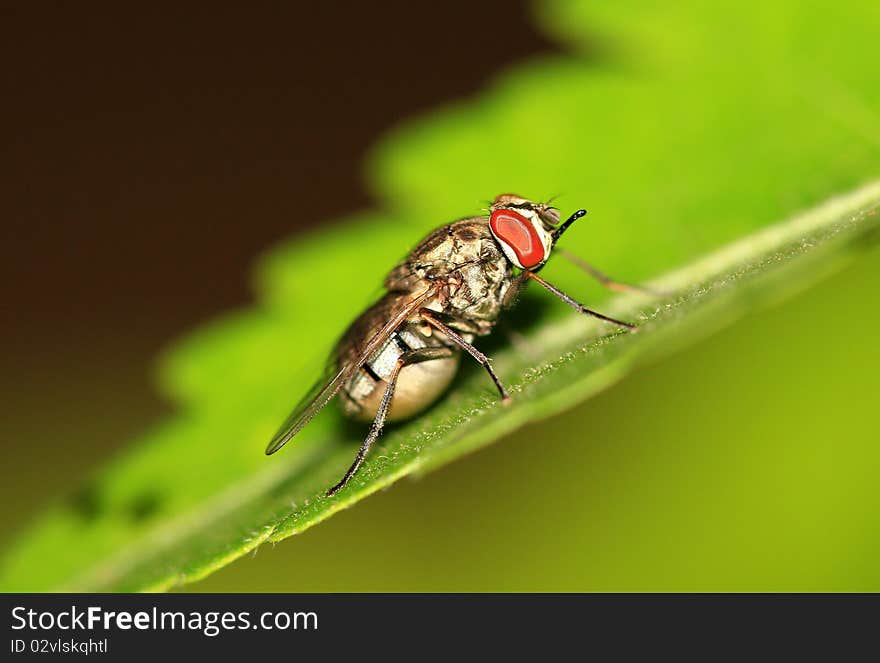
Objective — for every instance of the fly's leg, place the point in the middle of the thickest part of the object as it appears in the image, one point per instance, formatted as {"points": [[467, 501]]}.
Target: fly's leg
{"points": [[605, 280], [407, 358], [455, 337], [575, 304]]}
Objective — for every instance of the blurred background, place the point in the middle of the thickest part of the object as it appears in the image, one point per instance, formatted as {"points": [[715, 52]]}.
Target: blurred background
{"points": [[151, 155]]}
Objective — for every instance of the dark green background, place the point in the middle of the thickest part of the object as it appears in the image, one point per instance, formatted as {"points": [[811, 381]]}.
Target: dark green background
{"points": [[736, 453]]}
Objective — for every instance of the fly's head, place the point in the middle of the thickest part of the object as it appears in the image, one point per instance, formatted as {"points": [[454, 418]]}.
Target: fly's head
{"points": [[526, 230]]}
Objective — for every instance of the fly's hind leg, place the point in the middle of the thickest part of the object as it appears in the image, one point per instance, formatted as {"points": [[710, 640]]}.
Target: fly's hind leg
{"points": [[430, 317], [407, 358]]}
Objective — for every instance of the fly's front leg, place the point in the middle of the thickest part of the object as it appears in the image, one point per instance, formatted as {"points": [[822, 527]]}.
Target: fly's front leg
{"points": [[407, 358], [605, 280], [431, 318], [576, 305]]}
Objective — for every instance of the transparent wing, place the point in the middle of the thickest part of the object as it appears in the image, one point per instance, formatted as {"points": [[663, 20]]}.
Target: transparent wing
{"points": [[312, 403], [327, 387]]}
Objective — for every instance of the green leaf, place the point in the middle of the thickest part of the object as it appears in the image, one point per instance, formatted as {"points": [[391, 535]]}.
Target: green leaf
{"points": [[680, 134]]}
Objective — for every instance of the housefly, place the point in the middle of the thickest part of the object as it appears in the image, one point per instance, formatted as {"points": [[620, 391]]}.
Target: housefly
{"points": [[401, 353]]}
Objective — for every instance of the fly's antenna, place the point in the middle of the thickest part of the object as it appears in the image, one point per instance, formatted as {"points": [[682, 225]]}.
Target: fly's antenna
{"points": [[556, 234]]}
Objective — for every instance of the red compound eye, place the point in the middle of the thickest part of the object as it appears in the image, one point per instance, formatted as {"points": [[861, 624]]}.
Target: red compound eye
{"points": [[519, 235]]}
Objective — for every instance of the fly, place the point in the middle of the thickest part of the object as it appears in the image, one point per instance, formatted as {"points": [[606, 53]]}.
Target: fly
{"points": [[400, 355]]}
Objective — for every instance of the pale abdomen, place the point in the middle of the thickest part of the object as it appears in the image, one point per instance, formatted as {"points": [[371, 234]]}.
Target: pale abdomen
{"points": [[418, 385]]}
